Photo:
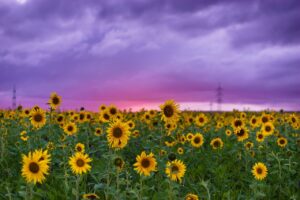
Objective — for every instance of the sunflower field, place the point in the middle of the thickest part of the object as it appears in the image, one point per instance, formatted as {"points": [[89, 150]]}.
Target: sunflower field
{"points": [[151, 154]]}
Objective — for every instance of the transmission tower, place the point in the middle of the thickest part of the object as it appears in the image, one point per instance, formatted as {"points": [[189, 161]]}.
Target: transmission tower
{"points": [[219, 97], [14, 98]]}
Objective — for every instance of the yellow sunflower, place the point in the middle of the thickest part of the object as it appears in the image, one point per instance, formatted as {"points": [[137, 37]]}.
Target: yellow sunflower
{"points": [[282, 142], [242, 133], [34, 170], [248, 145], [98, 131], [260, 137], [104, 116], [90, 196], [38, 117], [145, 164], [70, 128], [118, 134], [24, 136], [191, 197], [259, 171], [201, 120], [216, 143], [80, 147], [180, 150], [228, 132], [170, 111], [80, 163], [175, 170], [197, 140], [267, 128], [54, 101]]}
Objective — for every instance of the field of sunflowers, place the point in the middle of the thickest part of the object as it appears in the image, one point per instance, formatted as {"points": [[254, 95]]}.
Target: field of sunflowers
{"points": [[151, 154]]}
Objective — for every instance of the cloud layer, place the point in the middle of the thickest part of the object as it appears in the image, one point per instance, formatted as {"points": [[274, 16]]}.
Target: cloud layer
{"points": [[139, 51]]}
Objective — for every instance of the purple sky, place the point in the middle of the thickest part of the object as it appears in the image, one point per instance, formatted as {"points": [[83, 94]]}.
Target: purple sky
{"points": [[139, 53]]}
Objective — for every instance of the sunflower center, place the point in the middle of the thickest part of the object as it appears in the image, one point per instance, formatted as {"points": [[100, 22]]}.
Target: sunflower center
{"points": [[106, 116], [268, 128], [70, 128], [79, 148], [60, 118], [259, 170], [80, 162], [216, 143], [174, 169], [81, 116], [264, 119], [197, 140], [34, 167], [237, 123], [253, 121], [145, 163], [38, 117], [241, 132], [260, 136], [55, 100], [281, 141], [113, 111], [168, 111], [117, 132], [201, 120]]}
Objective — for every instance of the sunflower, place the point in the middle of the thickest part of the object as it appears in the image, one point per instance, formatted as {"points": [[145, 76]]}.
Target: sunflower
{"points": [[135, 133], [248, 145], [80, 163], [267, 128], [119, 163], [260, 137], [201, 120], [70, 128], [54, 101], [241, 133], [228, 132], [180, 150], [282, 142], [90, 196], [113, 111], [43, 155], [237, 122], [82, 117], [105, 116], [216, 143], [118, 134], [145, 164], [254, 122], [170, 111], [98, 132], [131, 124], [259, 171], [175, 170], [26, 112], [79, 147], [191, 197], [197, 140], [264, 118], [60, 118], [24, 136], [34, 169], [38, 117], [102, 108]]}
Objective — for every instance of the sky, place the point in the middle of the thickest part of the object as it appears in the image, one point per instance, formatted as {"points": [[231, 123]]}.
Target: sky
{"points": [[139, 53]]}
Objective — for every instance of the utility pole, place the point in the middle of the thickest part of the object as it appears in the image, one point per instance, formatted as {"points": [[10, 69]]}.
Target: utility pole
{"points": [[219, 97], [14, 98]]}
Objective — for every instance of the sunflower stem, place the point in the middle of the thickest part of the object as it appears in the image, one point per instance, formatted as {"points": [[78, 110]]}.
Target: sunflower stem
{"points": [[77, 187]]}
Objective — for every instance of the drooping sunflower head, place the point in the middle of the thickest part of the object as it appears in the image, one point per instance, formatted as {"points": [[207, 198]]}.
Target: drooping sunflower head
{"points": [[282, 142], [198, 140], [259, 171], [145, 164], [54, 100], [80, 147], [119, 163], [216, 143], [37, 117], [118, 134], [170, 111], [175, 170], [80, 163]]}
